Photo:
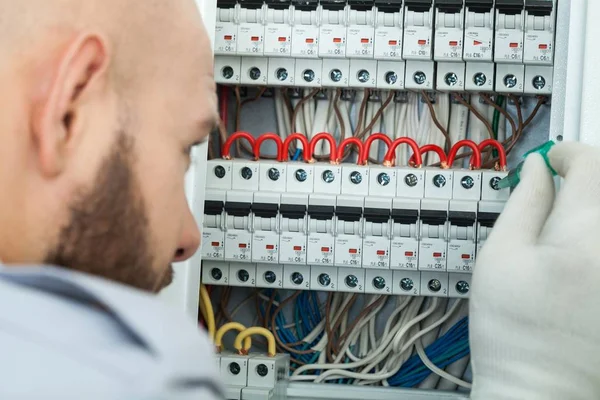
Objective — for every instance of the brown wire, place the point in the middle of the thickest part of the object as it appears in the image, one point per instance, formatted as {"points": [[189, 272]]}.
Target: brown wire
{"points": [[377, 116], [241, 145], [436, 121], [332, 345], [268, 309], [276, 333], [541, 101], [355, 322], [476, 113], [299, 106], [361, 113], [338, 114], [502, 111]]}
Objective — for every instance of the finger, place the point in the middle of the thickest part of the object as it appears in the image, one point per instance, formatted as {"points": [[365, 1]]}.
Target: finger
{"points": [[528, 207], [577, 206], [579, 165]]}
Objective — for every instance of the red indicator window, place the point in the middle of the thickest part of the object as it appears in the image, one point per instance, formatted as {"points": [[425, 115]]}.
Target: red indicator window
{"points": [[393, 43], [381, 252], [255, 38], [325, 249], [477, 43], [228, 37], [453, 43], [437, 255], [310, 40], [270, 247], [282, 38], [409, 253], [215, 244], [364, 40], [514, 45], [297, 248], [543, 47], [337, 40], [352, 251], [466, 256], [422, 42], [242, 245]]}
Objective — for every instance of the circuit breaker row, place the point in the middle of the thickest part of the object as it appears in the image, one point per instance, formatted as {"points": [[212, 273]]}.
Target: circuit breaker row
{"points": [[345, 230], [338, 279], [253, 376], [505, 46]]}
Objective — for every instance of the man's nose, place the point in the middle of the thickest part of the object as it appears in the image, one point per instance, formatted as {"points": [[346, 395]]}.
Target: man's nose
{"points": [[190, 239]]}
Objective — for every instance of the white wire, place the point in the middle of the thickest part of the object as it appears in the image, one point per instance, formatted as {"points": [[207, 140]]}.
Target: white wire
{"points": [[402, 130], [399, 336], [438, 371], [457, 368], [279, 114], [502, 125], [320, 125], [477, 130]]}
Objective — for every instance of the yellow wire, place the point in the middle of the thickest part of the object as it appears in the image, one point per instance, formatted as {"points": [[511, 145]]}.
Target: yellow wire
{"points": [[226, 328], [237, 344], [210, 314]]}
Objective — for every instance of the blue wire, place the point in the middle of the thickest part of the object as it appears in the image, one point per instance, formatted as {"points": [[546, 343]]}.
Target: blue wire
{"points": [[297, 155]]}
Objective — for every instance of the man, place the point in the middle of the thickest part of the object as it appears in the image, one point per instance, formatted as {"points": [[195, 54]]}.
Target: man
{"points": [[102, 102]]}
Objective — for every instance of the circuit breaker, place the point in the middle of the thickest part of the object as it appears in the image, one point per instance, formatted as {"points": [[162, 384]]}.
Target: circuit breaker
{"points": [[305, 31], [389, 30], [404, 246], [377, 232], [321, 227], [433, 235], [238, 215], [265, 227], [294, 228], [348, 231], [462, 238]]}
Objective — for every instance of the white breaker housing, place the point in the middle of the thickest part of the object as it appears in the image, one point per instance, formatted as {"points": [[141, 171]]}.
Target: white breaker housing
{"points": [[510, 18], [488, 213], [389, 30], [238, 235], [294, 229], [433, 235], [377, 232], [251, 28], [348, 231], [404, 247], [461, 235], [361, 29], [265, 227], [332, 31], [418, 25], [213, 229], [305, 31], [321, 228], [479, 31], [226, 28], [539, 32], [278, 29]]}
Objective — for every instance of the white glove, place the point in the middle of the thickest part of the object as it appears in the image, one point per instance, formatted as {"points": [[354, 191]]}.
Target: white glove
{"points": [[535, 303]]}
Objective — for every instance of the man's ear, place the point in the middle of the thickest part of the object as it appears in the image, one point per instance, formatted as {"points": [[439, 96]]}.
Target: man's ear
{"points": [[80, 73]]}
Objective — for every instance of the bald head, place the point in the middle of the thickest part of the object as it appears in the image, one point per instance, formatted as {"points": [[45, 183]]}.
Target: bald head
{"points": [[123, 86]]}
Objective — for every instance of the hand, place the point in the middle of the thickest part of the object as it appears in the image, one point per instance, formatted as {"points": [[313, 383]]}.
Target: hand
{"points": [[535, 303]]}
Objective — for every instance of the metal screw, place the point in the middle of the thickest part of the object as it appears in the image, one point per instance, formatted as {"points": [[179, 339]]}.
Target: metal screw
{"points": [[439, 180], [351, 281], [467, 182], [356, 177], [270, 276], [411, 180], [383, 179], [434, 285], [308, 75], [220, 172], [407, 284], [281, 74], [419, 77], [328, 176], [335, 75], [234, 368], [479, 79], [216, 274], [324, 279], [391, 77], [378, 282], [243, 275], [451, 79], [363, 76], [462, 287], [262, 370], [538, 82], [254, 73], [494, 183], [227, 72], [301, 175], [246, 173], [510, 81], [274, 174], [297, 278]]}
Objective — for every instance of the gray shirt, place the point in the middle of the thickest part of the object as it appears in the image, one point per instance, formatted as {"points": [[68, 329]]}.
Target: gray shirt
{"points": [[67, 335]]}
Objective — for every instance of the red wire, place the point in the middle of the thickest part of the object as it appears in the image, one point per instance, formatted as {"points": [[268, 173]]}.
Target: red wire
{"points": [[364, 157], [316, 139], [268, 136], [345, 143], [224, 104], [391, 153], [285, 149], [498, 146], [232, 138], [432, 147], [475, 161]]}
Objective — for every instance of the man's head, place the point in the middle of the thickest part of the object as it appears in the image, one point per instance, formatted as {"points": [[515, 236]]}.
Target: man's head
{"points": [[102, 102]]}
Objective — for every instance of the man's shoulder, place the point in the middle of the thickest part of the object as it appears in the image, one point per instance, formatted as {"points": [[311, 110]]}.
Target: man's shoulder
{"points": [[97, 328]]}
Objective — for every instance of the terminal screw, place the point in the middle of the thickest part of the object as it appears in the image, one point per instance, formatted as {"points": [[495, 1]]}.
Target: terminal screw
{"points": [[281, 74], [301, 175], [351, 281], [419, 77], [246, 173], [324, 280], [363, 76], [262, 370], [467, 182], [479, 79], [439, 180], [378, 282], [270, 277], [216, 274], [510, 81], [335, 75], [411, 180], [407, 284], [383, 179], [297, 278], [227, 72], [391, 78], [538, 82], [328, 176], [219, 172], [451, 79], [243, 275], [234, 368], [254, 73], [462, 287], [494, 183], [308, 75], [356, 177], [434, 285], [274, 174]]}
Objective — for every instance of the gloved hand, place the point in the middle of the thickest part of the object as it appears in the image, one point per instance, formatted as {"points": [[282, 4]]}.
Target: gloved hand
{"points": [[535, 302]]}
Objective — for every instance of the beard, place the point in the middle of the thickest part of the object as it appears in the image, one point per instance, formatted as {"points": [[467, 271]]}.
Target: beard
{"points": [[108, 232]]}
